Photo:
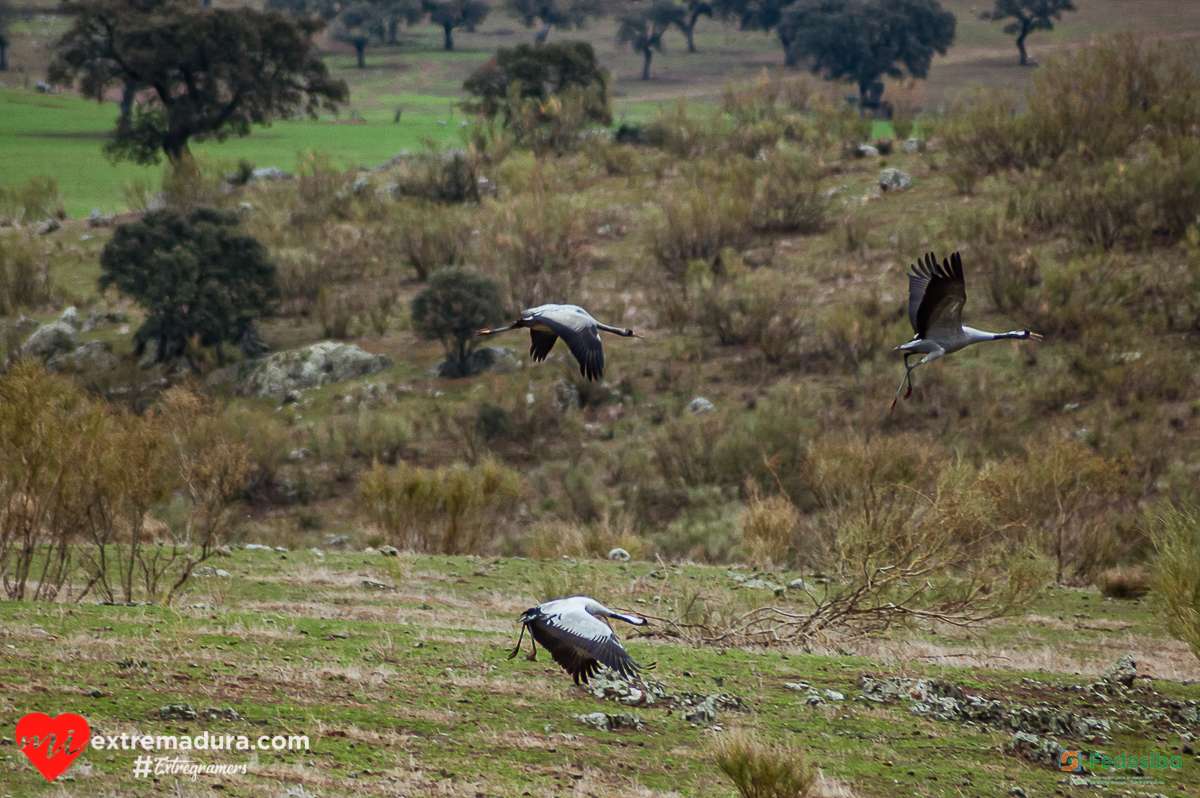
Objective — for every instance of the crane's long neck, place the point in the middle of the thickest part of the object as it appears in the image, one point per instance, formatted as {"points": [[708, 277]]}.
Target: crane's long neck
{"points": [[632, 619], [975, 336], [623, 331]]}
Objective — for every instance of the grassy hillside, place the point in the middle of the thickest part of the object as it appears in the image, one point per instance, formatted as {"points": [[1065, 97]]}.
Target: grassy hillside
{"points": [[405, 689]]}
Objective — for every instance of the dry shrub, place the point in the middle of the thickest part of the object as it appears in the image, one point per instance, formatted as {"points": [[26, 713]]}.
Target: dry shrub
{"points": [[33, 201], [761, 309], [553, 539], [539, 241], [788, 197], [762, 770], [856, 331], [712, 211], [429, 236], [996, 251], [1176, 535], [1060, 497], [769, 526], [24, 274], [1123, 582], [777, 97], [448, 510]]}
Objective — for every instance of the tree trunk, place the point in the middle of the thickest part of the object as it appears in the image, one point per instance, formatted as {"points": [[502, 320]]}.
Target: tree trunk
{"points": [[1021, 47], [688, 31], [789, 58], [3, 55], [125, 120], [449, 44], [543, 33], [646, 66], [360, 47], [176, 149], [392, 26]]}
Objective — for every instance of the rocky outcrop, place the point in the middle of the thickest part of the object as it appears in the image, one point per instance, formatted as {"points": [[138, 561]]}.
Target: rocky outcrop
{"points": [[93, 357], [308, 367], [49, 340]]}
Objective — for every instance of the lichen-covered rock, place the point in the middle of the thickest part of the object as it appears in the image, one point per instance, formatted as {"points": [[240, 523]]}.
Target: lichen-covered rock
{"points": [[623, 720], [296, 369], [701, 405], [71, 316], [21, 327], [46, 227], [49, 340], [95, 318], [97, 219], [913, 144], [1122, 672], [92, 357], [892, 179], [618, 554]]}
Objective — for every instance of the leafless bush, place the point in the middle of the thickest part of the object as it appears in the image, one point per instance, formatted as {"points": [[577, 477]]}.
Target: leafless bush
{"points": [[539, 242], [788, 197], [429, 236], [24, 275]]}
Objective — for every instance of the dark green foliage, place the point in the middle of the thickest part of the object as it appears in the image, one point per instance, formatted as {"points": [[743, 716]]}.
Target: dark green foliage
{"points": [[360, 24], [695, 9], [553, 14], [451, 14], [862, 41], [761, 15], [537, 72], [643, 30], [1028, 16], [451, 308], [196, 275], [191, 73], [6, 15]]}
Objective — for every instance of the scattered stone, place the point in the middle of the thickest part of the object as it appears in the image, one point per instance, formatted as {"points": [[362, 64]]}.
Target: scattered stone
{"points": [[1122, 672], [95, 318], [272, 173], [217, 713], [834, 695], [92, 357], [375, 584], [49, 340], [256, 547], [360, 185], [292, 398], [244, 207], [97, 219], [223, 574], [603, 722], [281, 549], [867, 151], [799, 584], [318, 553], [176, 712], [389, 551], [799, 687], [224, 551], [307, 367], [913, 144], [892, 179], [21, 327], [618, 554], [336, 540], [701, 405], [703, 713], [46, 227]]}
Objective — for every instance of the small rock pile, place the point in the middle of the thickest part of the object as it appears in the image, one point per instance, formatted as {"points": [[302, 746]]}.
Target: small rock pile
{"points": [[692, 707]]}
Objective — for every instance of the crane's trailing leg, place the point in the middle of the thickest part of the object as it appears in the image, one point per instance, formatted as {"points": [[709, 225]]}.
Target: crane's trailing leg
{"points": [[517, 649], [906, 381]]}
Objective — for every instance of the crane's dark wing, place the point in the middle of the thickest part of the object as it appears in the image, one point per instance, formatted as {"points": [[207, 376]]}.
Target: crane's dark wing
{"points": [[581, 643], [540, 344], [936, 294], [583, 340]]}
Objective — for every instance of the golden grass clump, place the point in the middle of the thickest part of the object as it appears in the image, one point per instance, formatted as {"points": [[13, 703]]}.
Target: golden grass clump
{"points": [[1123, 582], [768, 527], [761, 770]]}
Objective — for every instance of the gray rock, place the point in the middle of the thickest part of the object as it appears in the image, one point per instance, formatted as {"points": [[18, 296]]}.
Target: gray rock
{"points": [[799, 687], [219, 713], [701, 405], [224, 551], [913, 144], [92, 357], [97, 219], [799, 584], [256, 547], [176, 712], [762, 584], [501, 359], [223, 574], [892, 179], [317, 553], [389, 551], [271, 173], [867, 151], [618, 554], [71, 316], [375, 584], [566, 395], [360, 185], [603, 722], [834, 695], [244, 207], [49, 340], [597, 719], [95, 318], [21, 327], [703, 713], [308, 367], [46, 227], [1122, 672]]}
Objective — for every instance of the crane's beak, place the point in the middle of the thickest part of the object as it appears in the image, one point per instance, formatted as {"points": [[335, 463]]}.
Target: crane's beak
{"points": [[483, 332], [1035, 336], [637, 335]]}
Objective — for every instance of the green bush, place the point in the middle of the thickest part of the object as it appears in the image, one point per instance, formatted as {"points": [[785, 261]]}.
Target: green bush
{"points": [[195, 274], [1176, 535], [452, 307], [24, 275], [34, 201], [429, 236], [788, 197], [712, 211]]}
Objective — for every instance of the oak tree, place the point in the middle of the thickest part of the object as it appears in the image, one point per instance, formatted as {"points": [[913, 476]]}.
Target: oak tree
{"points": [[451, 14], [190, 73], [565, 14], [643, 30], [1028, 16]]}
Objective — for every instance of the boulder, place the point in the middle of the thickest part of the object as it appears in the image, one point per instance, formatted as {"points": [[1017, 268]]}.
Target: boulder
{"points": [[48, 226], [867, 151], [283, 372], [566, 395], [95, 318], [892, 179], [1122, 672], [701, 405], [92, 357], [71, 316], [913, 144], [22, 326], [619, 555], [97, 219], [270, 173], [49, 340]]}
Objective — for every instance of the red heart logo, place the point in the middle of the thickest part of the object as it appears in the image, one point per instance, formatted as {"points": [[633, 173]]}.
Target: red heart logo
{"points": [[48, 741]]}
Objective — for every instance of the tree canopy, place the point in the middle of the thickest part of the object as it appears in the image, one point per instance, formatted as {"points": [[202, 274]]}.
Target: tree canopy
{"points": [[196, 275], [862, 40], [565, 14], [186, 72], [1028, 16], [541, 71], [451, 308], [451, 14], [694, 10], [643, 30]]}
